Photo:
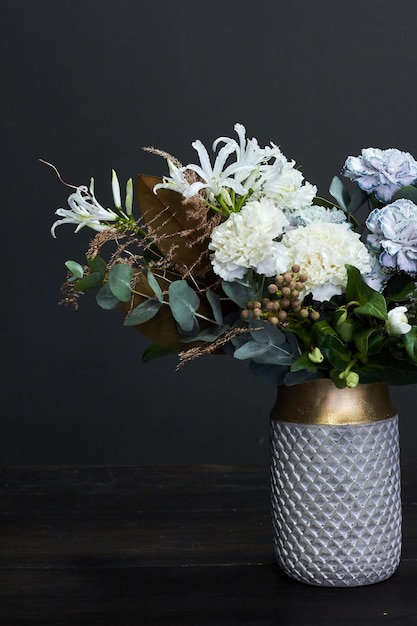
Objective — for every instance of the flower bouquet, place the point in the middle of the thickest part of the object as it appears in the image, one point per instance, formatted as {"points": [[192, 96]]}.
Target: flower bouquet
{"points": [[239, 255]]}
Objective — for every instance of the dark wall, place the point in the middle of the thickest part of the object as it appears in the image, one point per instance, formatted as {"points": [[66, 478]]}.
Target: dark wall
{"points": [[86, 84]]}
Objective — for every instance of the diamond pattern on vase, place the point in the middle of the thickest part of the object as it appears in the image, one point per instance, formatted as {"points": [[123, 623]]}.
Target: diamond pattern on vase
{"points": [[336, 501]]}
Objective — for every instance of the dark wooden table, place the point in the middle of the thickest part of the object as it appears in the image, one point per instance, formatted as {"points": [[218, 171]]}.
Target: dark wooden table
{"points": [[169, 545]]}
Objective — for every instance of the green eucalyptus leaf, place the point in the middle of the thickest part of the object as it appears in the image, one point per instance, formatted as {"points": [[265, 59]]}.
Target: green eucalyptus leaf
{"points": [[142, 313], [97, 264], [120, 277], [239, 293], [184, 303], [208, 335], [88, 282], [75, 268], [153, 284], [339, 193], [275, 356], [264, 332], [249, 350], [272, 374], [215, 304], [105, 298]]}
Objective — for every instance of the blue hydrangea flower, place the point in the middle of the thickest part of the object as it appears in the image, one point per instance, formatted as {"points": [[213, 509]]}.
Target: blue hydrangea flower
{"points": [[382, 172], [394, 235]]}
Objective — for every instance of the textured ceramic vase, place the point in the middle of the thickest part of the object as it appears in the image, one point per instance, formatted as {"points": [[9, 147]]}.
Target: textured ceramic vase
{"points": [[335, 483]]}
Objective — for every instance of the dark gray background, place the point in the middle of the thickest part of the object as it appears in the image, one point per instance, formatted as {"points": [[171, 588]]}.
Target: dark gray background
{"points": [[86, 84]]}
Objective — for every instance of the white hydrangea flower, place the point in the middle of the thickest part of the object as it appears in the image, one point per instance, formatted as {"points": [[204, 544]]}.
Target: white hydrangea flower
{"points": [[246, 240], [322, 250]]}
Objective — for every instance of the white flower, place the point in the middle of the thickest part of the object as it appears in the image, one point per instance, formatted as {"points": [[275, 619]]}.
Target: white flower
{"points": [[246, 240], [215, 179], [285, 184], [176, 182], [315, 213], [84, 211], [322, 249], [397, 322]]}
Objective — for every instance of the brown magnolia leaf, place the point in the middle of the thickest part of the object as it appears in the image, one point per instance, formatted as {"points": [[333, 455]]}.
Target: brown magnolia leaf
{"points": [[169, 218]]}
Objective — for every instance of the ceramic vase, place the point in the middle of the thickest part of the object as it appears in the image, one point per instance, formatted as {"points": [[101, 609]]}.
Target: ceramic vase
{"points": [[335, 483]]}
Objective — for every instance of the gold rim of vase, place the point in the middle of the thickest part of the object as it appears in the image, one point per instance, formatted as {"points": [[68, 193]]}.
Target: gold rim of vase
{"points": [[319, 401]]}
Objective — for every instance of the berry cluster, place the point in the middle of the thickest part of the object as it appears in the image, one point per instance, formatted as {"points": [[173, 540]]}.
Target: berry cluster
{"points": [[283, 304]]}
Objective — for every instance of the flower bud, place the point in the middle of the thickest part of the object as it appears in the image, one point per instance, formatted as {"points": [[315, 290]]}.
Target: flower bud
{"points": [[397, 322], [352, 380], [316, 355]]}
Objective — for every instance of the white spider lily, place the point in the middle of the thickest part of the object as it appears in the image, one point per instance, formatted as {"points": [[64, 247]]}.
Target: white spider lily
{"points": [[176, 182], [248, 153], [116, 190], [214, 179], [84, 211]]}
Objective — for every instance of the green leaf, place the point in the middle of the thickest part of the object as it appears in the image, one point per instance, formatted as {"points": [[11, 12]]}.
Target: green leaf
{"points": [[88, 282], [75, 268], [183, 302], [105, 299], [358, 198], [303, 363], [97, 264], [215, 304], [239, 293], [335, 351], [271, 374], [371, 302], [399, 288], [410, 343], [249, 350], [339, 193], [155, 352], [153, 284], [143, 312], [120, 277], [409, 192], [208, 335], [264, 332], [389, 370]]}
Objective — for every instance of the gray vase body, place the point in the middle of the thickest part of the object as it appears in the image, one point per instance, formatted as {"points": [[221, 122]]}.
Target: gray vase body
{"points": [[336, 500]]}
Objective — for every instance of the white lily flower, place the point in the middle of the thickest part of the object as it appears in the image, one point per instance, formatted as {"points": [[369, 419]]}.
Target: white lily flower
{"points": [[84, 211], [176, 182], [116, 190], [248, 153], [214, 179], [397, 322], [129, 197]]}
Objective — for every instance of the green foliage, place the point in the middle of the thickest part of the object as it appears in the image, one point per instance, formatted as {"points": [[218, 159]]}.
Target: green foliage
{"points": [[105, 298], [142, 313], [156, 352], [120, 278], [371, 302], [183, 302]]}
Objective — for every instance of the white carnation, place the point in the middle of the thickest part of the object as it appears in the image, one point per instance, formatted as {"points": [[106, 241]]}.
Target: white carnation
{"points": [[321, 250], [246, 240]]}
